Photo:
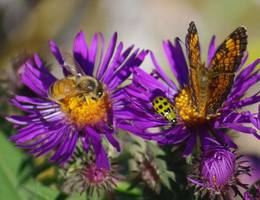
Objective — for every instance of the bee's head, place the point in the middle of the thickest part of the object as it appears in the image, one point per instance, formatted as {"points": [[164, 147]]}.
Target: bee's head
{"points": [[86, 84], [91, 87]]}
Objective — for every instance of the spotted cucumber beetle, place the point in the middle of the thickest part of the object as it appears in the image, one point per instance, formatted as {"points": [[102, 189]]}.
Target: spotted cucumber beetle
{"points": [[164, 108]]}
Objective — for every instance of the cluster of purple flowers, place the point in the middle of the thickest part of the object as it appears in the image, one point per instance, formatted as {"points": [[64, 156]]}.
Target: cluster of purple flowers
{"points": [[58, 127]]}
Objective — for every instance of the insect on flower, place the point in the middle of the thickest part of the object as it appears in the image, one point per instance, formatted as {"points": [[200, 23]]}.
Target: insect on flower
{"points": [[206, 102], [165, 108], [84, 105], [208, 86], [78, 84]]}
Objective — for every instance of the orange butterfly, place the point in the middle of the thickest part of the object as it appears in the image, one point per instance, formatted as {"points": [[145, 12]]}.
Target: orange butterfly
{"points": [[210, 86]]}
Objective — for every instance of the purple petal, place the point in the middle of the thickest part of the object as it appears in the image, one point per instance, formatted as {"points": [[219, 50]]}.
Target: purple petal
{"points": [[243, 61], [80, 52], [212, 49], [107, 57], [161, 73], [241, 128], [177, 61], [51, 143], [71, 147], [150, 83], [93, 49], [191, 141], [137, 93], [85, 142], [125, 71], [28, 133], [41, 66], [205, 137], [225, 139], [196, 182], [245, 102], [34, 100], [246, 72], [119, 65], [36, 80], [255, 120], [57, 54], [118, 61], [101, 155], [21, 120], [240, 90], [113, 141], [174, 136], [65, 149]]}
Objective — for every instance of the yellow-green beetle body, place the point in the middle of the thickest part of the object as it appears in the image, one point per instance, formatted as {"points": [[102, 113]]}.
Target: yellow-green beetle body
{"points": [[164, 107]]}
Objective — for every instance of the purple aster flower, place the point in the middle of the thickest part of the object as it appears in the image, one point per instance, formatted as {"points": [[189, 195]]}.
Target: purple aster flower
{"points": [[207, 101], [56, 123], [218, 171]]}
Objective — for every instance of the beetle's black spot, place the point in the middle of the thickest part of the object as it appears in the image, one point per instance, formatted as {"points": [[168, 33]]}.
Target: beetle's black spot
{"points": [[160, 98], [156, 101], [160, 106], [167, 110], [165, 103]]}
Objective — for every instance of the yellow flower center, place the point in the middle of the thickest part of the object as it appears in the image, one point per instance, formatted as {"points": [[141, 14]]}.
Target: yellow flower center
{"points": [[186, 108], [83, 110]]}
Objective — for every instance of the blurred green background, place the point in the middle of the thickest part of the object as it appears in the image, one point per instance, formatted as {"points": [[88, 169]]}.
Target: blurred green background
{"points": [[27, 25]]}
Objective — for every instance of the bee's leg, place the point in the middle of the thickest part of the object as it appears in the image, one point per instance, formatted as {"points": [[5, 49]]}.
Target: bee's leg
{"points": [[82, 97], [94, 98], [86, 98]]}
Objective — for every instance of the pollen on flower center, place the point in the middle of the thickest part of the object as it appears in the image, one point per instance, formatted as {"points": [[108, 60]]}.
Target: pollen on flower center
{"points": [[186, 108], [86, 111]]}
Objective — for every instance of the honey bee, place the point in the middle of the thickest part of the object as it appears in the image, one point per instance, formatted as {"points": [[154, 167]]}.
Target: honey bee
{"points": [[76, 84], [165, 108]]}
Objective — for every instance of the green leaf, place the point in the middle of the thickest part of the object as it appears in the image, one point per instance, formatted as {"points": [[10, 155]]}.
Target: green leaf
{"points": [[9, 188], [78, 197], [165, 175], [36, 190], [155, 149], [171, 175], [10, 161], [189, 159], [122, 187]]}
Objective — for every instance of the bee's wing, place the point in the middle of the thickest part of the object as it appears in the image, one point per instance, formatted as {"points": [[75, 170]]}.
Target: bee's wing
{"points": [[71, 64], [222, 67], [193, 52]]}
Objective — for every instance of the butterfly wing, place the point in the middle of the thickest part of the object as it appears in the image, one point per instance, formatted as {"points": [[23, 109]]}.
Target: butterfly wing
{"points": [[223, 66], [193, 46], [193, 52]]}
